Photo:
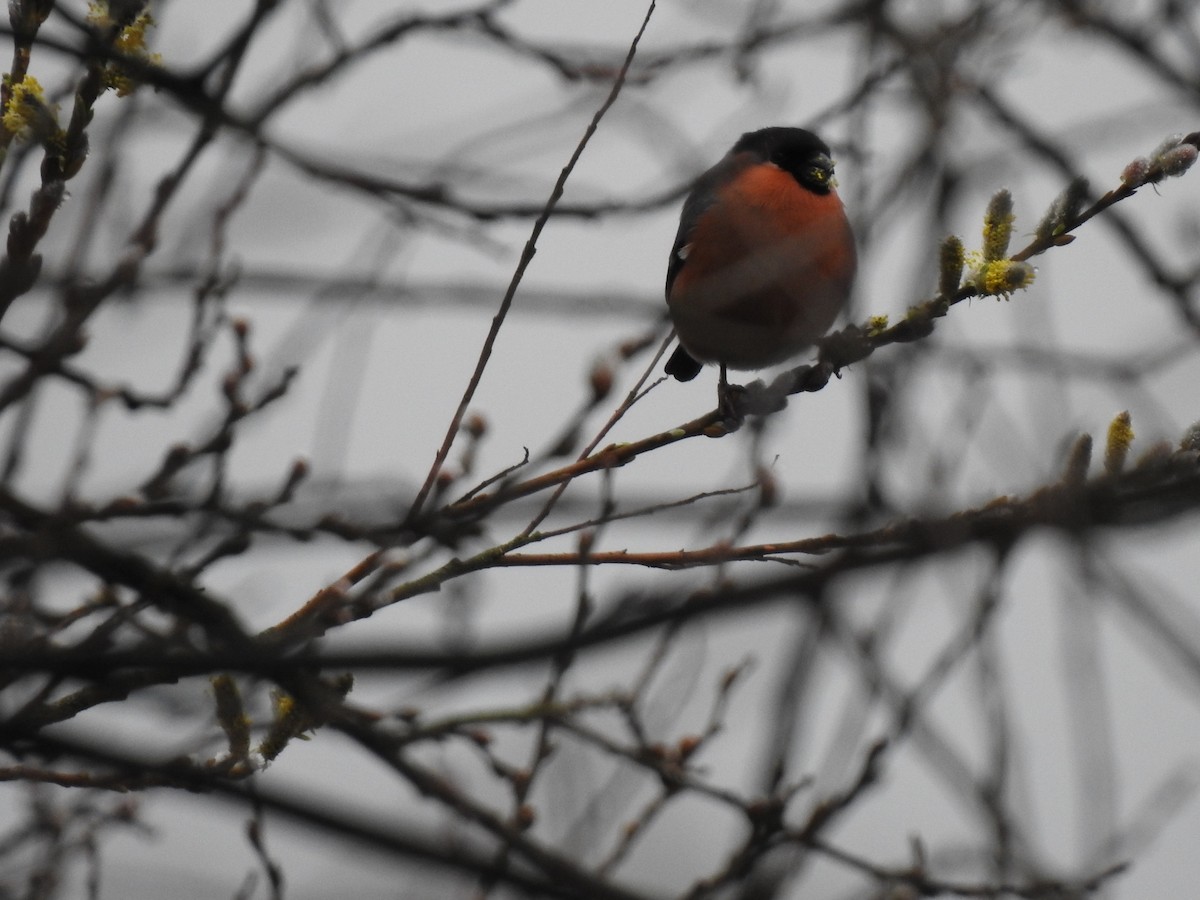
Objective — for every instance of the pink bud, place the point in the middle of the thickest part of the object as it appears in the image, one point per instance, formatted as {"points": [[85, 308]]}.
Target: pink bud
{"points": [[1134, 174]]}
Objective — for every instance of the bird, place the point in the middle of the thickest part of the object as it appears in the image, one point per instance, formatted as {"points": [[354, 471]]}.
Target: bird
{"points": [[764, 259]]}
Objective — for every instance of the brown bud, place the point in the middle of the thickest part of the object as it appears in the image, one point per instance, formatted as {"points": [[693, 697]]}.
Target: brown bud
{"points": [[601, 381], [475, 425], [525, 817], [688, 745], [768, 488]]}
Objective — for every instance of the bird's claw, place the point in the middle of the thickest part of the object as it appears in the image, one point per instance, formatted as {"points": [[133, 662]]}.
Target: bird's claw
{"points": [[737, 401]]}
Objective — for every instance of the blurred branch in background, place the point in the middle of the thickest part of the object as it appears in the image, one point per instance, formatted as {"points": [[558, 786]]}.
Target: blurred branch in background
{"points": [[339, 480]]}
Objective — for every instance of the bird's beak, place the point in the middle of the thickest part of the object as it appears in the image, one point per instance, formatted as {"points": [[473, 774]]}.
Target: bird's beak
{"points": [[821, 170]]}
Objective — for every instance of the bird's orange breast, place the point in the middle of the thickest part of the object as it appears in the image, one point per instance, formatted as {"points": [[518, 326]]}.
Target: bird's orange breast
{"points": [[769, 266]]}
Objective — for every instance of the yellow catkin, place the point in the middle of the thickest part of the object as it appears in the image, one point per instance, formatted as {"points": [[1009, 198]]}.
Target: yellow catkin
{"points": [[1116, 447], [950, 266], [26, 103], [997, 225]]}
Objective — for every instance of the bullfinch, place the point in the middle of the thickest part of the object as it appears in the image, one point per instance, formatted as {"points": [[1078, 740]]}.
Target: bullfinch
{"points": [[764, 258]]}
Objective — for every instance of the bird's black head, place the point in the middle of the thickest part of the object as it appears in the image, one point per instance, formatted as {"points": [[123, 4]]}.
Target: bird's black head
{"points": [[801, 153]]}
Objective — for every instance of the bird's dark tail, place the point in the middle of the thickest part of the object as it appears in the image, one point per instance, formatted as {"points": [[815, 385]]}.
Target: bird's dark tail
{"points": [[682, 366]]}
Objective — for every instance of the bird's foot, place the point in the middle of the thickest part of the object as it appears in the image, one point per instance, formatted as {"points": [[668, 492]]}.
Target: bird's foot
{"points": [[737, 401], [731, 406]]}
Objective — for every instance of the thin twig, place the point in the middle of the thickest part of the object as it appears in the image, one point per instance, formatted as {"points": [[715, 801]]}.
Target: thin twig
{"points": [[498, 320]]}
